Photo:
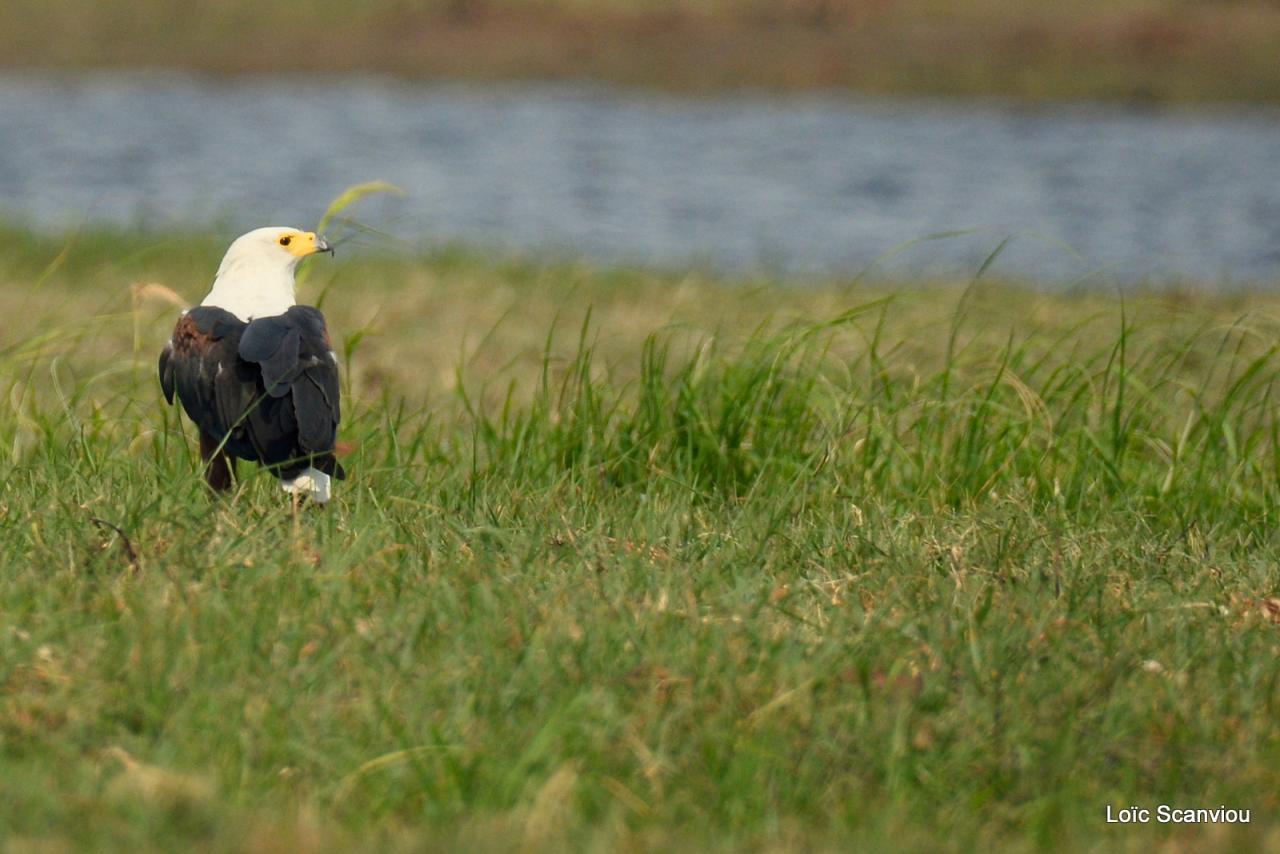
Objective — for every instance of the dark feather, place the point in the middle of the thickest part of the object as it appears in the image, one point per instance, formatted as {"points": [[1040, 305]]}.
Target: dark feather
{"points": [[166, 373], [274, 344]]}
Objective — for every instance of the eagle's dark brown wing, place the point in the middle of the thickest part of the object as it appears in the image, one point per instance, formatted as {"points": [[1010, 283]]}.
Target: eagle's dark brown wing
{"points": [[268, 389]]}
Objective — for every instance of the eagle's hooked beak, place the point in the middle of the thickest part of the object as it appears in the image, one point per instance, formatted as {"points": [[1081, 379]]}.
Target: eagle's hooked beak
{"points": [[322, 245]]}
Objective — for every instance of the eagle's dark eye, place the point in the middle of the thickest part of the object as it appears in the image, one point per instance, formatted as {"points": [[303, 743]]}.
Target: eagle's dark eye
{"points": [[284, 241]]}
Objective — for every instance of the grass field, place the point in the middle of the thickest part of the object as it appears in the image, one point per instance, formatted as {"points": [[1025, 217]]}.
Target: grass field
{"points": [[644, 562], [1144, 50]]}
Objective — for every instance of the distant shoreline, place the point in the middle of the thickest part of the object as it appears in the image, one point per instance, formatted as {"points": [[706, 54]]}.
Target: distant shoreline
{"points": [[1118, 52]]}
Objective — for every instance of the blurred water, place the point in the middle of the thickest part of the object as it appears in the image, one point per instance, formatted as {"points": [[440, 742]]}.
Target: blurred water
{"points": [[812, 184]]}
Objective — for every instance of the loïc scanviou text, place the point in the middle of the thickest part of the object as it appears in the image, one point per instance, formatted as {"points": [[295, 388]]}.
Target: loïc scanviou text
{"points": [[1165, 814]]}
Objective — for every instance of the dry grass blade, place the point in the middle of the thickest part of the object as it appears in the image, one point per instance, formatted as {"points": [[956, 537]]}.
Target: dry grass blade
{"points": [[126, 544]]}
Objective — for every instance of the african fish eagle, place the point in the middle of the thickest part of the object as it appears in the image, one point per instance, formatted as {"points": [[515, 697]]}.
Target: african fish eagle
{"points": [[255, 371]]}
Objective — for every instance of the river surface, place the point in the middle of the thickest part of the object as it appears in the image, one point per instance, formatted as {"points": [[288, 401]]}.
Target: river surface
{"points": [[814, 184]]}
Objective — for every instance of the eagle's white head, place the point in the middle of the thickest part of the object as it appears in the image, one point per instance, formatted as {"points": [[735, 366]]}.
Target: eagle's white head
{"points": [[255, 278]]}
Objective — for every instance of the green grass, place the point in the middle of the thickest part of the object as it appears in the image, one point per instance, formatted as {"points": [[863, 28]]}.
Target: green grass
{"points": [[644, 562], [1125, 50]]}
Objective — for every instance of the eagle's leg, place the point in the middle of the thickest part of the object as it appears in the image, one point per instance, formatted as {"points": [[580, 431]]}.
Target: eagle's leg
{"points": [[218, 468]]}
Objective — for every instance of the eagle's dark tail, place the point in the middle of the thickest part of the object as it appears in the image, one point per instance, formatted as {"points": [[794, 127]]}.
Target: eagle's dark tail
{"points": [[329, 465]]}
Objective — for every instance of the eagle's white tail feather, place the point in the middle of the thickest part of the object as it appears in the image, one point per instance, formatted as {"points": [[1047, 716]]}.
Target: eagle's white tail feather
{"points": [[311, 483]]}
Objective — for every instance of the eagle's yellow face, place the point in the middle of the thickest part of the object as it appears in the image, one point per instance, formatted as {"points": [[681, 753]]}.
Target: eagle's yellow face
{"points": [[300, 244]]}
